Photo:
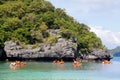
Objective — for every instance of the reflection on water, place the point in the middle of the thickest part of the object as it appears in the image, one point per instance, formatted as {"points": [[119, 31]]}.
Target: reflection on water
{"points": [[49, 71]]}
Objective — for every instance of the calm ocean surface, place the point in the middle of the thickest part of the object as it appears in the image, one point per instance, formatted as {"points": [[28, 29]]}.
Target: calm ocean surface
{"points": [[49, 71]]}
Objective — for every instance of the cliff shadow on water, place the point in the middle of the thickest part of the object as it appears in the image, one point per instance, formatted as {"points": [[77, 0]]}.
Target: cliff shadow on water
{"points": [[40, 59], [2, 54]]}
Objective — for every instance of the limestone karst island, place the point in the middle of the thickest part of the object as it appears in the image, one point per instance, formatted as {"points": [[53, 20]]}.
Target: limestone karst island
{"points": [[36, 30]]}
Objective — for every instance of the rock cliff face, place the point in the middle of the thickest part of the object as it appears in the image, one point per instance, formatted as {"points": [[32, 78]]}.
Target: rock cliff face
{"points": [[62, 49], [98, 54]]}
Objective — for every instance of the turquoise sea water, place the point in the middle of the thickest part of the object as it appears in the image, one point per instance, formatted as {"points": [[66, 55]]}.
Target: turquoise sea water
{"points": [[49, 71]]}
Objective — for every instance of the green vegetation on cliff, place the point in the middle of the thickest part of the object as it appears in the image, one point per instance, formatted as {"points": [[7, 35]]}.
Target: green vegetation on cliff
{"points": [[29, 21]]}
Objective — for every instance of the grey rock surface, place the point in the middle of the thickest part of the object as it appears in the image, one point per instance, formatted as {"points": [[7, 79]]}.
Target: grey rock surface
{"points": [[63, 48]]}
